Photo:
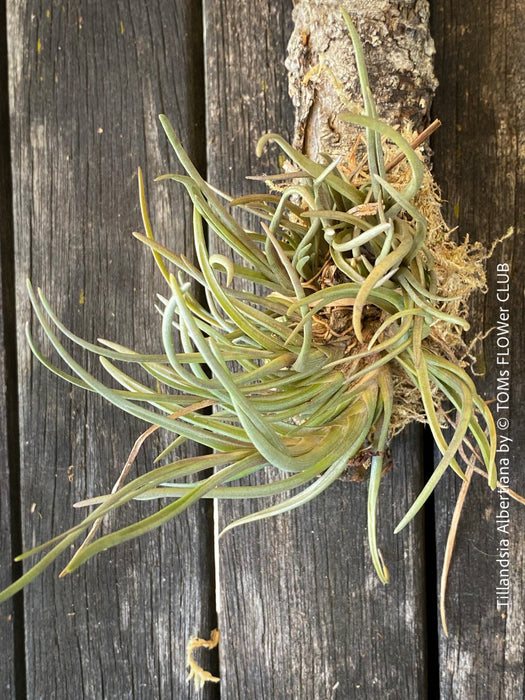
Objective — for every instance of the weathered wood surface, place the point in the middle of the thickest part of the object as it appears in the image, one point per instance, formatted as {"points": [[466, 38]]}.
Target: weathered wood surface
{"points": [[9, 613], [479, 161], [87, 81], [302, 614]]}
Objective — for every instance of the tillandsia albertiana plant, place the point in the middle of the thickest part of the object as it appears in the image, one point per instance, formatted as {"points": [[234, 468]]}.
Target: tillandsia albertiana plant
{"points": [[350, 337]]}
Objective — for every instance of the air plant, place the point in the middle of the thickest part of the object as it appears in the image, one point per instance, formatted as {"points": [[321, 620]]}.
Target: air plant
{"points": [[342, 344]]}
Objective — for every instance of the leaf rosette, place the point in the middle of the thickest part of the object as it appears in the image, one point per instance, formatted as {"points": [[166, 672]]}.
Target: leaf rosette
{"points": [[308, 372]]}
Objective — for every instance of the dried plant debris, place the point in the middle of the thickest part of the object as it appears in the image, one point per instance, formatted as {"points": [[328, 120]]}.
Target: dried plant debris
{"points": [[197, 674], [356, 330]]}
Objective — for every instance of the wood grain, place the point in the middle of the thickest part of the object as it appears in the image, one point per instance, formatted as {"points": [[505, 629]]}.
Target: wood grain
{"points": [[7, 612], [479, 158], [11, 614], [303, 614], [87, 81]]}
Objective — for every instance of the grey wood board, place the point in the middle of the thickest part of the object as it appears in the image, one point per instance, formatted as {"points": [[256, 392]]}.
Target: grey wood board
{"points": [[302, 612], [10, 613], [479, 164], [7, 612], [87, 81]]}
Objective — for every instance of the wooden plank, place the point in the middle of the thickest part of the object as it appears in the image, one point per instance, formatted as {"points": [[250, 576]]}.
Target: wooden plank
{"points": [[7, 612], [11, 614], [479, 164], [302, 612], [87, 81]]}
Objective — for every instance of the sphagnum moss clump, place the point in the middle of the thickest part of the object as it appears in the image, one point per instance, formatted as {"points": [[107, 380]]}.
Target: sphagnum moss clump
{"points": [[343, 345]]}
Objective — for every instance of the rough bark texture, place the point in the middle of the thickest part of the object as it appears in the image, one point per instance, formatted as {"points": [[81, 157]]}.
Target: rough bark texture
{"points": [[399, 51]]}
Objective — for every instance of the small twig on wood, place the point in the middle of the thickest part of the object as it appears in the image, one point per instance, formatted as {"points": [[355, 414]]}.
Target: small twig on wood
{"points": [[118, 485], [279, 176], [420, 138], [125, 470]]}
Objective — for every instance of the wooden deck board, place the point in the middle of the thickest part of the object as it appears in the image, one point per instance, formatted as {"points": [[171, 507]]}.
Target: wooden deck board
{"points": [[10, 613], [303, 613], [87, 83], [479, 164], [7, 612]]}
